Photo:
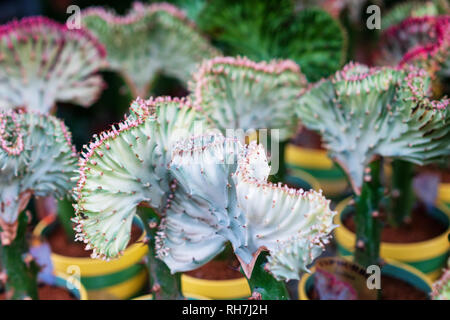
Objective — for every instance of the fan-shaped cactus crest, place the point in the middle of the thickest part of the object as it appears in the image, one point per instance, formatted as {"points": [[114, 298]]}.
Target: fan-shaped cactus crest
{"points": [[126, 166], [36, 158], [149, 40], [42, 62], [223, 196], [363, 113], [237, 93], [421, 41]]}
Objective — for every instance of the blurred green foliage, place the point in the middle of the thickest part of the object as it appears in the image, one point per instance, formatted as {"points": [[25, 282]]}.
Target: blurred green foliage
{"points": [[264, 30]]}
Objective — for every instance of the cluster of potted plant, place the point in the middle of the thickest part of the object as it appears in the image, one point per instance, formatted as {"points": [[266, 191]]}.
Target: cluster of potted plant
{"points": [[185, 197]]}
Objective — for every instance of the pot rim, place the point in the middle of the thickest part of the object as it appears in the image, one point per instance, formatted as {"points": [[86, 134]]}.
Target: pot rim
{"points": [[218, 289], [407, 252], [302, 295], [95, 267]]}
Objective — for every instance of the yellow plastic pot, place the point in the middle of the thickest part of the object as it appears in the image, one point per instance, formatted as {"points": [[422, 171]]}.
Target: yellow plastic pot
{"points": [[215, 289], [312, 168], [444, 194], [427, 256], [393, 269], [120, 278]]}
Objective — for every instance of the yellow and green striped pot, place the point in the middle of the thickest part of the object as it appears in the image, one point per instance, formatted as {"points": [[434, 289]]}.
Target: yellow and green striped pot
{"points": [[312, 168], [393, 269], [444, 194], [215, 289], [121, 278], [427, 256]]}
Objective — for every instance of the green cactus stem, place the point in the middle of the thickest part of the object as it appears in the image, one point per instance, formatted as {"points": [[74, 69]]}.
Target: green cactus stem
{"points": [[65, 216], [149, 40], [368, 224], [237, 93], [21, 270], [164, 285], [43, 62], [402, 193], [263, 285]]}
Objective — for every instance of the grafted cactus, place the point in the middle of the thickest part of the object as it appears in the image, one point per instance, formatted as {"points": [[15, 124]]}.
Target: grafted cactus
{"points": [[363, 113], [421, 41], [36, 158], [223, 195], [125, 167], [237, 93], [42, 62], [150, 39]]}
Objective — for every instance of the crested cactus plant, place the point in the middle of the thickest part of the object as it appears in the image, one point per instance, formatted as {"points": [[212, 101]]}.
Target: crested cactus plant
{"points": [[204, 195], [42, 62], [125, 168], [237, 93], [420, 41], [149, 40], [37, 158], [365, 114]]}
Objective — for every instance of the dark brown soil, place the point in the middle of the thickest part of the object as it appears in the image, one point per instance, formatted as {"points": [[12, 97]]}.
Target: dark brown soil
{"points": [[391, 289], [442, 172], [395, 289], [46, 292], [422, 227], [60, 244], [217, 270], [307, 139]]}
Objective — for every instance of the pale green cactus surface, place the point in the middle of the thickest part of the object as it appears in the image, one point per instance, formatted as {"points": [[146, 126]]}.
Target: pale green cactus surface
{"points": [[36, 156], [223, 196], [149, 40], [43, 62], [126, 166], [237, 93], [363, 113]]}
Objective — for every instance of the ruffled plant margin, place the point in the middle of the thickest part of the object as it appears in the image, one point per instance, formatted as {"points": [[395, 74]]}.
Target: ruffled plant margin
{"points": [[150, 40], [43, 62]]}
